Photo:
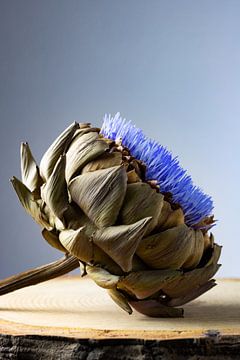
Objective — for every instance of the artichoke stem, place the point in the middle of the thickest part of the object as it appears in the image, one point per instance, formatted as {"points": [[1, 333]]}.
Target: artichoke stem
{"points": [[39, 274]]}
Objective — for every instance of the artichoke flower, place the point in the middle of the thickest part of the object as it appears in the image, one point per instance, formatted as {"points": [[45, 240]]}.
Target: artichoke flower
{"points": [[122, 207]]}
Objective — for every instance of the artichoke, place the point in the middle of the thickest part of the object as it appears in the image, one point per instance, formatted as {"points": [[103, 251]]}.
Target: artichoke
{"points": [[121, 205]]}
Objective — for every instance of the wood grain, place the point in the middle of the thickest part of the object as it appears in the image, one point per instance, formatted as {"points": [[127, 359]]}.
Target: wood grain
{"points": [[75, 307]]}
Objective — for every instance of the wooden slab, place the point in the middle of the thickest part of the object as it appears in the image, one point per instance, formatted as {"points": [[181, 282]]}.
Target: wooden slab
{"points": [[75, 307]]}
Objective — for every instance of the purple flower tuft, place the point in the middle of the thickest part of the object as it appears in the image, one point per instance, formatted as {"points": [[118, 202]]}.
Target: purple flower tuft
{"points": [[161, 166]]}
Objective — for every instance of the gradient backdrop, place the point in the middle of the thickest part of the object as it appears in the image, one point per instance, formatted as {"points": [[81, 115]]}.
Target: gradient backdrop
{"points": [[172, 67]]}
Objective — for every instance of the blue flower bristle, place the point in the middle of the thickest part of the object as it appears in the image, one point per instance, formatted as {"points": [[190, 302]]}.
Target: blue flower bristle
{"points": [[162, 167]]}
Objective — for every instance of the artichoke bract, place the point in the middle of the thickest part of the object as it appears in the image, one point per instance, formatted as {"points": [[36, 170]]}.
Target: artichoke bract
{"points": [[121, 205]]}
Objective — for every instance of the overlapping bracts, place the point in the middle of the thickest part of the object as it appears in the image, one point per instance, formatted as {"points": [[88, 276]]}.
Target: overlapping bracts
{"points": [[161, 166], [93, 202]]}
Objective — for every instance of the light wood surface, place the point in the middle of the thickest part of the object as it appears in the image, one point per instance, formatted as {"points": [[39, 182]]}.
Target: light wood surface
{"points": [[76, 307]]}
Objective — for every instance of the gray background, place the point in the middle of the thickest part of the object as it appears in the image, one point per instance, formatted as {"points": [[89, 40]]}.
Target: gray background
{"points": [[172, 67]]}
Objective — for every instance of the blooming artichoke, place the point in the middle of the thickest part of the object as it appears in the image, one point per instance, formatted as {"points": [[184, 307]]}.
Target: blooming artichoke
{"points": [[121, 205]]}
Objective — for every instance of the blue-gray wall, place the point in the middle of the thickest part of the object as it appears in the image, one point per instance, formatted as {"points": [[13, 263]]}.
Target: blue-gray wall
{"points": [[173, 67]]}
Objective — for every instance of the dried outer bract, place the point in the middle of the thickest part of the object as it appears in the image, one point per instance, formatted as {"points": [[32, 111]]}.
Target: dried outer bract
{"points": [[145, 283], [32, 206], [29, 169], [54, 192], [102, 277], [100, 194], [120, 299], [141, 201], [53, 239], [84, 148], [57, 149], [174, 248], [121, 239], [104, 161]]}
